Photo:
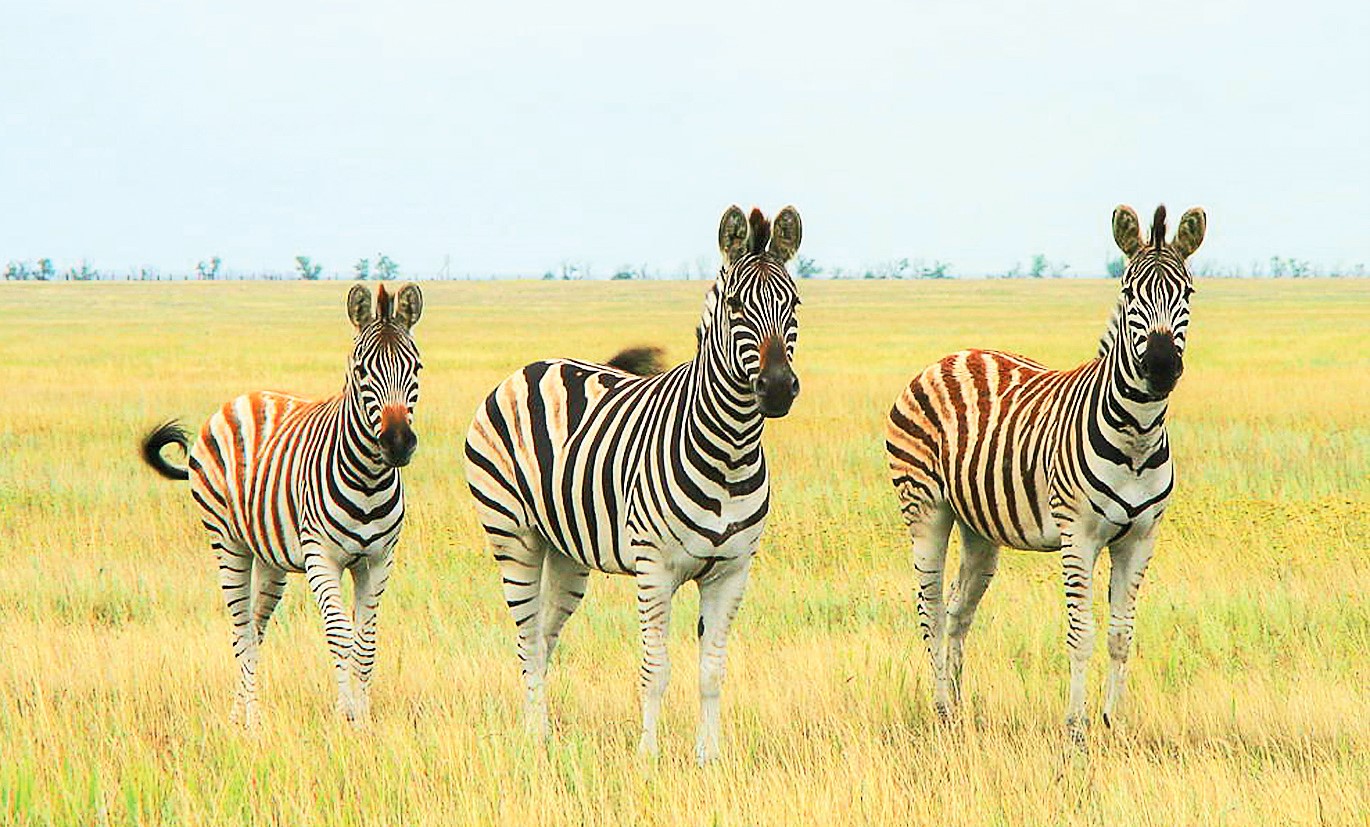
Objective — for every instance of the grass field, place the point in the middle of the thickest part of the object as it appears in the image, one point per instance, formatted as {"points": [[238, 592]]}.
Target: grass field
{"points": [[1250, 679]]}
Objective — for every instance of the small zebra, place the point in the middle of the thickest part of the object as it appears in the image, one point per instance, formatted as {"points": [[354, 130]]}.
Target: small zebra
{"points": [[1019, 455], [287, 484], [576, 466]]}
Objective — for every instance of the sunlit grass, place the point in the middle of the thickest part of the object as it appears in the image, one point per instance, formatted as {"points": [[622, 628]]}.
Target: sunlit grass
{"points": [[1248, 687]]}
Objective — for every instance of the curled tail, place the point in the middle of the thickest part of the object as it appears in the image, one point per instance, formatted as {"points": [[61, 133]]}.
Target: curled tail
{"points": [[160, 437], [642, 361]]}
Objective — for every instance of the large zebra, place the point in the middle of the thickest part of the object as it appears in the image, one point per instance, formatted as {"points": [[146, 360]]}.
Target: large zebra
{"points": [[1022, 456], [576, 466], [287, 484]]}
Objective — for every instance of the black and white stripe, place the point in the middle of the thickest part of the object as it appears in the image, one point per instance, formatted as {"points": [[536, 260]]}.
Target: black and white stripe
{"points": [[576, 466], [287, 484]]}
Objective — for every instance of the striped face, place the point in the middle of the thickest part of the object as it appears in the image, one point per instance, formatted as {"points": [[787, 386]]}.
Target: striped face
{"points": [[1155, 291], [757, 301], [384, 369]]}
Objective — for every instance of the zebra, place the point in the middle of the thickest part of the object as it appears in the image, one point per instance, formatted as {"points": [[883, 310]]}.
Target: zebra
{"points": [[575, 466], [1018, 455], [286, 484]]}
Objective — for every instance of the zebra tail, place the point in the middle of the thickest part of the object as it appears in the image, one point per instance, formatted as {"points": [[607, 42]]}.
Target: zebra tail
{"points": [[167, 433], [647, 360]]}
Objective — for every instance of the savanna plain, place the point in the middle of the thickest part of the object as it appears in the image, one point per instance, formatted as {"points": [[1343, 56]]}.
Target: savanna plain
{"points": [[1248, 684]]}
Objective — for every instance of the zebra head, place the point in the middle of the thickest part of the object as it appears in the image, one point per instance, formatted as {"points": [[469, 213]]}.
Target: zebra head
{"points": [[385, 366], [1155, 296], [752, 305]]}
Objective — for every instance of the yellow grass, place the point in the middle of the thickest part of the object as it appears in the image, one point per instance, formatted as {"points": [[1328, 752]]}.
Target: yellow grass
{"points": [[1248, 689]]}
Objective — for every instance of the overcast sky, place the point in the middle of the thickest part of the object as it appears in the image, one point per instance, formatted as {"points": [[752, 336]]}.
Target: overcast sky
{"points": [[515, 136]]}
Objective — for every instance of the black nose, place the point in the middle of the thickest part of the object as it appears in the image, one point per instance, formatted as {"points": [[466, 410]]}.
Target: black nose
{"points": [[397, 445], [776, 388], [1162, 362]]}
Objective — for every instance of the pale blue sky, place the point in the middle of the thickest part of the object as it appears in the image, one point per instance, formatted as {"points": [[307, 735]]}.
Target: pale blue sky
{"points": [[515, 136]]}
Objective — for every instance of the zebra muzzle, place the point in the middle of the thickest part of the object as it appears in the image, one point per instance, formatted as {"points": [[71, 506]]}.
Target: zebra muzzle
{"points": [[776, 387], [397, 440], [1162, 362]]}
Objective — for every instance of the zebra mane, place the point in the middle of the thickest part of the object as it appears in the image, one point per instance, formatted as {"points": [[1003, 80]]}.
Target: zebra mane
{"points": [[761, 231], [1158, 228], [1115, 323]]}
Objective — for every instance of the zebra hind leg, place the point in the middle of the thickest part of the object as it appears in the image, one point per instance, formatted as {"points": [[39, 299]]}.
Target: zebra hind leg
{"points": [[979, 559], [235, 580], [521, 558], [268, 582], [564, 581], [929, 532]]}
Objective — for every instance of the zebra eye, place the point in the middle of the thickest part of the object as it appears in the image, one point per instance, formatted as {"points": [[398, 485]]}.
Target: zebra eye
{"points": [[734, 305], [359, 371]]}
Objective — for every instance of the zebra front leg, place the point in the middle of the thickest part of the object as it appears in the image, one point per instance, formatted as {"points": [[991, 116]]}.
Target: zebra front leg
{"points": [[655, 588], [929, 533], [979, 560], [720, 595], [325, 582], [235, 579], [1078, 556], [369, 578], [521, 560], [1129, 559]]}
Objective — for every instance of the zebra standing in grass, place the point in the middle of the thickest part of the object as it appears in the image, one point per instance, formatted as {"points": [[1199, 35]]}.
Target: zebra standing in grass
{"points": [[291, 485], [1022, 456], [576, 466]]}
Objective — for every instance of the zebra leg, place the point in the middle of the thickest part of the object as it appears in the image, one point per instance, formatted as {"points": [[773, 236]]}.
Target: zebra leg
{"points": [[979, 559], [1078, 556], [720, 594], [655, 587], [369, 578], [235, 579], [269, 584], [1128, 562], [325, 581], [564, 581], [521, 559], [929, 535]]}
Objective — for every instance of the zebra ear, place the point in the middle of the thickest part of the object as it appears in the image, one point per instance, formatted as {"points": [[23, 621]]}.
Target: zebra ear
{"points": [[734, 235], [1127, 230], [1190, 233], [408, 305], [786, 231], [359, 306]]}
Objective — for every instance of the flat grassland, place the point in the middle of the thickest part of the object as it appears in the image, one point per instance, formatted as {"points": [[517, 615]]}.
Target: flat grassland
{"points": [[1249, 683]]}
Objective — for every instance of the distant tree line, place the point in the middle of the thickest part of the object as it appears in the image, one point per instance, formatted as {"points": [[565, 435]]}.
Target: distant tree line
{"points": [[384, 268]]}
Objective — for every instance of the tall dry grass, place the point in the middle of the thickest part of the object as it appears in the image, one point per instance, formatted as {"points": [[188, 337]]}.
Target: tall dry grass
{"points": [[1248, 687]]}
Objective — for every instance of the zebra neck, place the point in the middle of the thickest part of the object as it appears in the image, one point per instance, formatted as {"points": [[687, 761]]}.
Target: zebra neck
{"points": [[1131, 420], [357, 454], [723, 423]]}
